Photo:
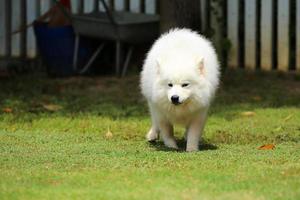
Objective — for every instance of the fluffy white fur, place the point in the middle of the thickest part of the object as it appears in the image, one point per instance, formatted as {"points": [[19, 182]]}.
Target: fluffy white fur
{"points": [[183, 64]]}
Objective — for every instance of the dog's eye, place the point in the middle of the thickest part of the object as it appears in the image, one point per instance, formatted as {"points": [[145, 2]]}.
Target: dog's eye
{"points": [[170, 85], [185, 85]]}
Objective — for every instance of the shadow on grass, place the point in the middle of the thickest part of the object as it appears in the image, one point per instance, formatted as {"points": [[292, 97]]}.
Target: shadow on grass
{"points": [[121, 98], [256, 90], [121, 101], [203, 146]]}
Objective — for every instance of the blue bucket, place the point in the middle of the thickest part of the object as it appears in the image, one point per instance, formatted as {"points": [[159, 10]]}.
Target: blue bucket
{"points": [[56, 47]]}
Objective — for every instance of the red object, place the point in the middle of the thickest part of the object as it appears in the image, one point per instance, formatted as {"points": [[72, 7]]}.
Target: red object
{"points": [[267, 147], [66, 3]]}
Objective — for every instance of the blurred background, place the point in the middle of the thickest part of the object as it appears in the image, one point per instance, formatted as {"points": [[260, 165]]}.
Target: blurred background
{"points": [[254, 34]]}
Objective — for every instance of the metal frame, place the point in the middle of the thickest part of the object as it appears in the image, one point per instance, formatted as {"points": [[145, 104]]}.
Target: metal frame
{"points": [[90, 61], [118, 61]]}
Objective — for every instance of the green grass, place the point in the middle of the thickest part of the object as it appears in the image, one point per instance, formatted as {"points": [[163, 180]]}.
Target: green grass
{"points": [[65, 154]]}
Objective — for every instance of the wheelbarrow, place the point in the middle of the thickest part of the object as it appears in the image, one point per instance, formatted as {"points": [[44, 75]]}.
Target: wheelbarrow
{"points": [[121, 27]]}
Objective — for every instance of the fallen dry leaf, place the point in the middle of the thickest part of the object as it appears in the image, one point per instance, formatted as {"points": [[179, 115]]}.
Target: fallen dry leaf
{"points": [[108, 134], [7, 110], [52, 107], [267, 147], [248, 114]]}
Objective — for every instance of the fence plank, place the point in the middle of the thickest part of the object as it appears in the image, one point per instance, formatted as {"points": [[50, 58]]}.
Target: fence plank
{"points": [[3, 39], [16, 24], [232, 32], [283, 35], [150, 6], [31, 16], [88, 6], [45, 6], [75, 6], [250, 34], [119, 5], [135, 6], [298, 36], [266, 35]]}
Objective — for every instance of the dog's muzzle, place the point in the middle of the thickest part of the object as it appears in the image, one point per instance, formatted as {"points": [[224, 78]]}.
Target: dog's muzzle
{"points": [[175, 100]]}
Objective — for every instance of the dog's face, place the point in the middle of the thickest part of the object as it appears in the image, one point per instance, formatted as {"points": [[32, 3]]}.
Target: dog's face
{"points": [[180, 83], [178, 91]]}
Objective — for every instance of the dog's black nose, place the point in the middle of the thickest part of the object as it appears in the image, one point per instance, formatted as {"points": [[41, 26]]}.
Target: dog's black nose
{"points": [[175, 99]]}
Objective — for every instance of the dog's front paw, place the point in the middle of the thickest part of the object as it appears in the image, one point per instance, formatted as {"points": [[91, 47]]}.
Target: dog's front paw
{"points": [[152, 135], [192, 148], [171, 143]]}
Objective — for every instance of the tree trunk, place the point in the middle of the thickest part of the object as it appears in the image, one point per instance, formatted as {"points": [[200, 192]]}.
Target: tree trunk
{"points": [[180, 13]]}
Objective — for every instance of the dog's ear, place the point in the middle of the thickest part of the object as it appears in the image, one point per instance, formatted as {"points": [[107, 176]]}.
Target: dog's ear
{"points": [[158, 64], [200, 65]]}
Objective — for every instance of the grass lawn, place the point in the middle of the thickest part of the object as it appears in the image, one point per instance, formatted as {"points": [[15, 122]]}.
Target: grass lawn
{"points": [[83, 138]]}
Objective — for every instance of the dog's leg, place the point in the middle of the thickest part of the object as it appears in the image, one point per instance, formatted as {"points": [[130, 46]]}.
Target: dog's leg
{"points": [[152, 134], [186, 133], [166, 131], [195, 131]]}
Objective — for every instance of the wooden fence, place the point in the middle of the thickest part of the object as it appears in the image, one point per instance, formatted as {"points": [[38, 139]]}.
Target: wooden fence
{"points": [[252, 34], [263, 34]]}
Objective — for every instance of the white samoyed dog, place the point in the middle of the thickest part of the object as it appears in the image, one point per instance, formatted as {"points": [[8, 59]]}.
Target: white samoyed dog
{"points": [[179, 79]]}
